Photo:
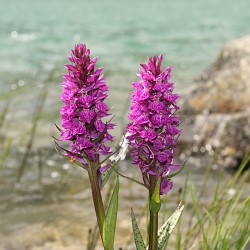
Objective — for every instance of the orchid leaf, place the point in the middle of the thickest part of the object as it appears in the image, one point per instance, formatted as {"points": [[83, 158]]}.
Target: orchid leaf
{"points": [[129, 178], [76, 162], [110, 219], [167, 228], [105, 175], [59, 129], [56, 139], [137, 234], [107, 158], [177, 172], [155, 200]]}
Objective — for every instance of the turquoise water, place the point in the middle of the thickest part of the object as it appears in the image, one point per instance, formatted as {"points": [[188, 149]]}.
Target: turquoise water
{"points": [[36, 36]]}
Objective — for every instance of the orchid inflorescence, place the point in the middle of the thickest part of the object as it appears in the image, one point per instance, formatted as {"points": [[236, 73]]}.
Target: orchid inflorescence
{"points": [[151, 134], [84, 93], [153, 129]]}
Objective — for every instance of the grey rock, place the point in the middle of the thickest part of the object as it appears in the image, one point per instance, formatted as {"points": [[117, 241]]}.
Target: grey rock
{"points": [[216, 109]]}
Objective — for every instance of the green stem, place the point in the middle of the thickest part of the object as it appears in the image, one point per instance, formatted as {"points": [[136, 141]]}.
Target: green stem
{"points": [[153, 228], [153, 220], [97, 199]]}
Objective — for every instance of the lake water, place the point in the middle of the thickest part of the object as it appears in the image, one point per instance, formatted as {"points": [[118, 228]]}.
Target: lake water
{"points": [[36, 36]]}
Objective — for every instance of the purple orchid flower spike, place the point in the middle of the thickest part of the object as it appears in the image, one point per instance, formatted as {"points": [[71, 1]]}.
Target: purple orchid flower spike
{"points": [[85, 125], [84, 93], [153, 130]]}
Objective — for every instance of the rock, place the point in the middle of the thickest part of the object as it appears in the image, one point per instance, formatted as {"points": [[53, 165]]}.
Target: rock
{"points": [[216, 110]]}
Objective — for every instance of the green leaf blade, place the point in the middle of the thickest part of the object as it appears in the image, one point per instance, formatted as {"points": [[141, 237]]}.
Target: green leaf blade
{"points": [[137, 234], [155, 201], [109, 225], [167, 228], [105, 175]]}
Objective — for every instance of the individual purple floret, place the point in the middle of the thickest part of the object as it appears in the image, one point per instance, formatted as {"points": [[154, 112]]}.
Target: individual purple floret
{"points": [[153, 130], [84, 93]]}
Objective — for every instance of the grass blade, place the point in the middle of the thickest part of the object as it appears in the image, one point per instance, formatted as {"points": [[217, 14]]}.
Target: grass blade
{"points": [[199, 217]]}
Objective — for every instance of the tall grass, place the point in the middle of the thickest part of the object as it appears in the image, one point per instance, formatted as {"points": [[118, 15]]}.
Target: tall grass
{"points": [[222, 222], [35, 120]]}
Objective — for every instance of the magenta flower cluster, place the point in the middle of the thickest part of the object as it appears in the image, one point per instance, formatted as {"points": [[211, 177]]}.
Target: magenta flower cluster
{"points": [[153, 130], [84, 93]]}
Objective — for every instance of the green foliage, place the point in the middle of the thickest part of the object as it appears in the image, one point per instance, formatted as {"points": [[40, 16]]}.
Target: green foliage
{"points": [[106, 175], [155, 201], [221, 222], [177, 172], [110, 219], [137, 234], [199, 217], [167, 228]]}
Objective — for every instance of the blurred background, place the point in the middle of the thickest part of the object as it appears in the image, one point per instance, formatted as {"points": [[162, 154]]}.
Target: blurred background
{"points": [[45, 201]]}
